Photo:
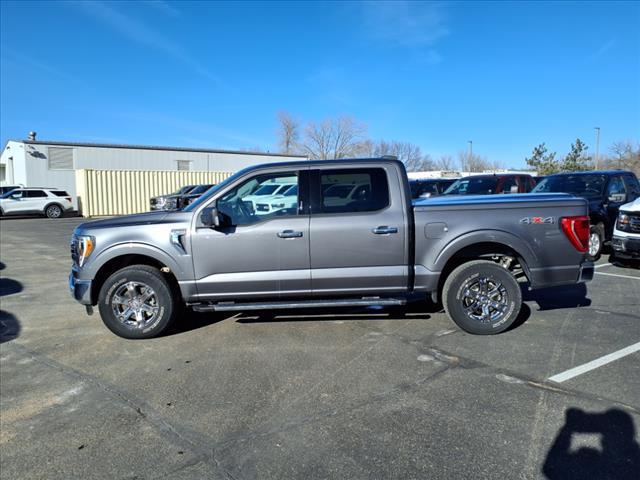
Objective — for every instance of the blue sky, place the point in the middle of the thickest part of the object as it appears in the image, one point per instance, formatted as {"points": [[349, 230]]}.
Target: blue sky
{"points": [[505, 75]]}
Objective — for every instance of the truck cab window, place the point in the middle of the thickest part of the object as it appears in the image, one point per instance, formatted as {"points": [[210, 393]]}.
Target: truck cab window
{"points": [[260, 198], [354, 190]]}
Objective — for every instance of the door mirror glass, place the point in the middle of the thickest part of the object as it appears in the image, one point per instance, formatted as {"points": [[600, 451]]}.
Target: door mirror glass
{"points": [[210, 218]]}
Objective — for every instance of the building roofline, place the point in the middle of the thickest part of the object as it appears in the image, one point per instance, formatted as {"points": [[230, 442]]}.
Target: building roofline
{"points": [[150, 147]]}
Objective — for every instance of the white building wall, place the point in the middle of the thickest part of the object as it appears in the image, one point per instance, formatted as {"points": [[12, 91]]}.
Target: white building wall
{"points": [[12, 158]]}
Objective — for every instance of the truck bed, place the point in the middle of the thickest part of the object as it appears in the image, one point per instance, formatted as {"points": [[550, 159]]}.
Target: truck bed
{"points": [[527, 224]]}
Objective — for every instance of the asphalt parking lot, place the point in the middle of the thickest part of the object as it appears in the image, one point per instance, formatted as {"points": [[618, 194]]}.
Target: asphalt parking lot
{"points": [[322, 394]]}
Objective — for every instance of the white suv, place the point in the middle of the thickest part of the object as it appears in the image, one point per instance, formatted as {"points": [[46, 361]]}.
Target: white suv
{"points": [[43, 201], [626, 236]]}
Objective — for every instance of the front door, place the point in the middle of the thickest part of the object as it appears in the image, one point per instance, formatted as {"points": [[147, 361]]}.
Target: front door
{"points": [[358, 231], [263, 248]]}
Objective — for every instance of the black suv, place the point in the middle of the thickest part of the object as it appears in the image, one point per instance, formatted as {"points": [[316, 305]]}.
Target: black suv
{"points": [[605, 190], [429, 187]]}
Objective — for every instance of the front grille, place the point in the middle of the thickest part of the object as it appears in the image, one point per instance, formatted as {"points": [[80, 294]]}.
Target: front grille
{"points": [[74, 249], [634, 223]]}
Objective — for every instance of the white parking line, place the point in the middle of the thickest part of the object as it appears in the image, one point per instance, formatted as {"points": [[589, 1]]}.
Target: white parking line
{"points": [[603, 265], [617, 275], [592, 365]]}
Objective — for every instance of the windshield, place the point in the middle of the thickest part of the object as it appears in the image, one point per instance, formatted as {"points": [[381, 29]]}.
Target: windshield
{"points": [[200, 189], [473, 186], [183, 190], [212, 190], [292, 190], [8, 194], [581, 185]]}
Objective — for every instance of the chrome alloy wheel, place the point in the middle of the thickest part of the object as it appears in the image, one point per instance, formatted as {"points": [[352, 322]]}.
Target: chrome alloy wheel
{"points": [[135, 305], [484, 299], [594, 244]]}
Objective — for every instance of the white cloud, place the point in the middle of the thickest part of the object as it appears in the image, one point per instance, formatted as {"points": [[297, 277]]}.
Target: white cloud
{"points": [[405, 23], [604, 48], [137, 31]]}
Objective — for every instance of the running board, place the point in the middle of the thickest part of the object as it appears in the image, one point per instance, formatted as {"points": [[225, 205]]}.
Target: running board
{"points": [[346, 302]]}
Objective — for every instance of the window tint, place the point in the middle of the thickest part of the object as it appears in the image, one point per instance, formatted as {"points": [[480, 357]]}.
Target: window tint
{"points": [[13, 193], [60, 193], [353, 190], [35, 193], [616, 186], [510, 185], [580, 184], [633, 186], [242, 205], [473, 186]]}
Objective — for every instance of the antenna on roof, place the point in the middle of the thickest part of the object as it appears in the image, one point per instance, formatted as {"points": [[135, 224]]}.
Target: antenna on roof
{"points": [[32, 136]]}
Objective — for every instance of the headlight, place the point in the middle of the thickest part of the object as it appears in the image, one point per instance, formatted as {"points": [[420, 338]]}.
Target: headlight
{"points": [[171, 204], [86, 245], [623, 222]]}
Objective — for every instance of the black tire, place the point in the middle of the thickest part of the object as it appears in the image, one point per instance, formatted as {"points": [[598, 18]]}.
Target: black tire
{"points": [[596, 235], [470, 286], [164, 300], [53, 211]]}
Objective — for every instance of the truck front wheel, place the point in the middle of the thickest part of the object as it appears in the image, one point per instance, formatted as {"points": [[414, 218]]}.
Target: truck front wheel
{"points": [[482, 297], [137, 302]]}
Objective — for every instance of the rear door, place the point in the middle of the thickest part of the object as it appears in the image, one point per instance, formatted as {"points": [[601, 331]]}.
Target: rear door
{"points": [[358, 230]]}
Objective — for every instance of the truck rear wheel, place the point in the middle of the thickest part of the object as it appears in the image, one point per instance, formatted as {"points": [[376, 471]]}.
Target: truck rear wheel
{"points": [[482, 297], [137, 302]]}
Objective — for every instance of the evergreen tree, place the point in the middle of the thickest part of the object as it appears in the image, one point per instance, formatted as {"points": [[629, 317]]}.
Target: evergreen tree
{"points": [[576, 160], [543, 161]]}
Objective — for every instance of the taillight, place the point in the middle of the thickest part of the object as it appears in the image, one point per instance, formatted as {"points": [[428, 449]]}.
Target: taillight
{"points": [[68, 199], [577, 231]]}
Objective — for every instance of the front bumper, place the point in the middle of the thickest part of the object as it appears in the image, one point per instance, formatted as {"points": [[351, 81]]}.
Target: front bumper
{"points": [[80, 289], [626, 246]]}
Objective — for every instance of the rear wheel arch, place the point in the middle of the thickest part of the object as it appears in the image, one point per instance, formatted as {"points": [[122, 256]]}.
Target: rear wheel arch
{"points": [[500, 253]]}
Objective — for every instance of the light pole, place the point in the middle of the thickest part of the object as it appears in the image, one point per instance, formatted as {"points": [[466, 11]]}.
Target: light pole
{"points": [[470, 142], [597, 146]]}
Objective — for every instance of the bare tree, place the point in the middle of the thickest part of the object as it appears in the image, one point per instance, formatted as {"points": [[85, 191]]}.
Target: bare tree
{"points": [[445, 162], [473, 162], [334, 138], [408, 153], [625, 155], [288, 133]]}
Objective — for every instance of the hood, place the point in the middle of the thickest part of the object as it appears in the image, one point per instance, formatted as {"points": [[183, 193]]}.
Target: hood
{"points": [[633, 207], [136, 219]]}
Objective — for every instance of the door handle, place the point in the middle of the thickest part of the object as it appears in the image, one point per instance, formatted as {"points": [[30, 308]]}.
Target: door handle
{"points": [[384, 230], [289, 234]]}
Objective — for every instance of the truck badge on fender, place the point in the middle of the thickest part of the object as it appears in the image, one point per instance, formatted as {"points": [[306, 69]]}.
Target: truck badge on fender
{"points": [[536, 220]]}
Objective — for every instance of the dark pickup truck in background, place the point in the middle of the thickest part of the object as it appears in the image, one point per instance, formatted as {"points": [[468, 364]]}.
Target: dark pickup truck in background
{"points": [[327, 249], [605, 191]]}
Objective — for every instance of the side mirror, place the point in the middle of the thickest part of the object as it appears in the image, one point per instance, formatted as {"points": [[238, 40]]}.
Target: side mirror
{"points": [[210, 218], [513, 189], [617, 197]]}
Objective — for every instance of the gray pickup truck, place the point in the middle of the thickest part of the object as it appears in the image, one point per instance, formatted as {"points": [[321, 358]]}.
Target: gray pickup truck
{"points": [[345, 234]]}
